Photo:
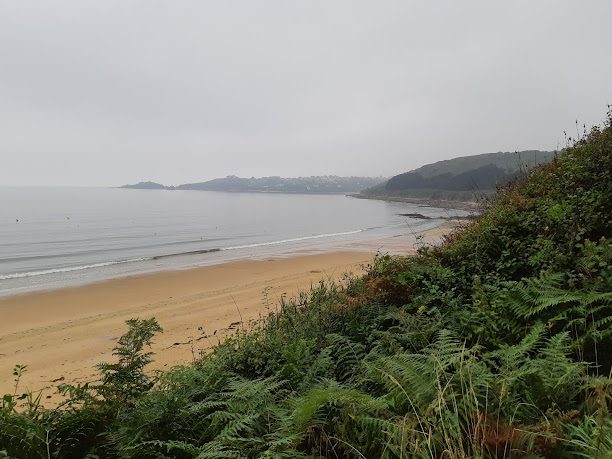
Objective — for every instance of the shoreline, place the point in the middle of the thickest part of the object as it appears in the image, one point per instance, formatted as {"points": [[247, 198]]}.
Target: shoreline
{"points": [[440, 203], [47, 279], [62, 334]]}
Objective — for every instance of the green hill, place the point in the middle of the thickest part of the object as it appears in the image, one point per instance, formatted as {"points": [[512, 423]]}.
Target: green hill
{"points": [[496, 344], [461, 179]]}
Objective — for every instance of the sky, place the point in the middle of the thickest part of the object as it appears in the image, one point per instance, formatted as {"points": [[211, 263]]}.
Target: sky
{"points": [[110, 92]]}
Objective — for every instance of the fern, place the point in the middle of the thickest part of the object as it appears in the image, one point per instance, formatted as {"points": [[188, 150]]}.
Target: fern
{"points": [[309, 411], [537, 296], [347, 356], [585, 314]]}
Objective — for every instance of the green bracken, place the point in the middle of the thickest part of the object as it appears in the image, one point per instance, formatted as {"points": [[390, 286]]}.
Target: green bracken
{"points": [[496, 344]]}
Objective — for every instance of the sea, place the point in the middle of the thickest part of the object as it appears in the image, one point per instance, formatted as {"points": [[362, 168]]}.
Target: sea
{"points": [[52, 237]]}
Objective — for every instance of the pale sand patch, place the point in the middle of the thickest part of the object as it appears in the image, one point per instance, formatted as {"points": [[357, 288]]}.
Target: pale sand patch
{"points": [[62, 334]]}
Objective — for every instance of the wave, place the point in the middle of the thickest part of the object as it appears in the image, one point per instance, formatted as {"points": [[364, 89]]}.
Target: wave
{"points": [[295, 239], [81, 253], [261, 244], [43, 272]]}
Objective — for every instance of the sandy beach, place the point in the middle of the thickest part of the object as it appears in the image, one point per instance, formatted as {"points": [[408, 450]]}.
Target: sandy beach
{"points": [[62, 334]]}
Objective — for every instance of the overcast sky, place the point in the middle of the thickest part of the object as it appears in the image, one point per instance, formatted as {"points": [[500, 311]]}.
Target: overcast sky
{"points": [[111, 92]]}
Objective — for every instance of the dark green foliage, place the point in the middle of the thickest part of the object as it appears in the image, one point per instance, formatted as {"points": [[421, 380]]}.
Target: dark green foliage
{"points": [[126, 379], [497, 344]]}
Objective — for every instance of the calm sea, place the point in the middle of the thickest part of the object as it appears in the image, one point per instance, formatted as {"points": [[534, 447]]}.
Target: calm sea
{"points": [[53, 236]]}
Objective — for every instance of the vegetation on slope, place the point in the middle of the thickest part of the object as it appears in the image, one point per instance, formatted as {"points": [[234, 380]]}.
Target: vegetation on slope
{"points": [[462, 178], [496, 344]]}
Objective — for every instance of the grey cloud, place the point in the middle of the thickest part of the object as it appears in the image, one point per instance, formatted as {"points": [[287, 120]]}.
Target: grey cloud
{"points": [[109, 92]]}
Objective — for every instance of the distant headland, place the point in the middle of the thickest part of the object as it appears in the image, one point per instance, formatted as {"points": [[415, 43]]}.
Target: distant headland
{"points": [[314, 184], [450, 183]]}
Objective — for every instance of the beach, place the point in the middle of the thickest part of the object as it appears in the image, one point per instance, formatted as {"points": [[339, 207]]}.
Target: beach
{"points": [[62, 334]]}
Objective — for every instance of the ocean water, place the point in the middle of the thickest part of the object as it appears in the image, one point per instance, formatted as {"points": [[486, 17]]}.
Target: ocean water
{"points": [[61, 236]]}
